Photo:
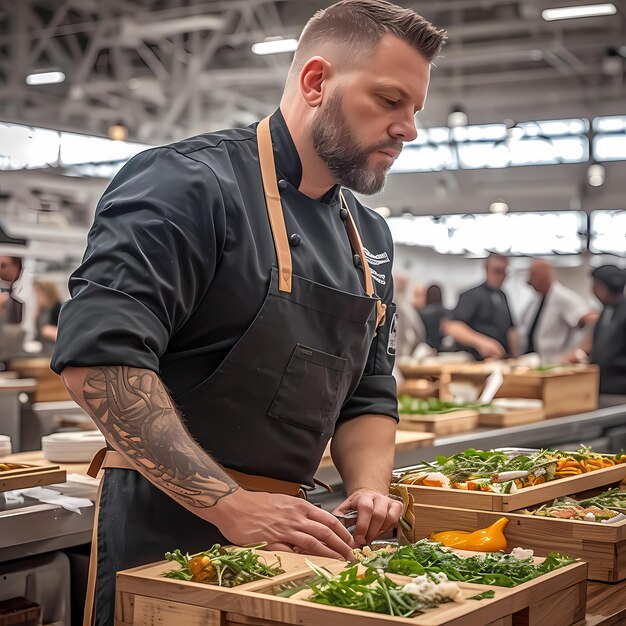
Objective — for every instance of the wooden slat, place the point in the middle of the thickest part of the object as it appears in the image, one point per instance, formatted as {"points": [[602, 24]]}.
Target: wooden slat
{"points": [[32, 477], [440, 424], [506, 419]]}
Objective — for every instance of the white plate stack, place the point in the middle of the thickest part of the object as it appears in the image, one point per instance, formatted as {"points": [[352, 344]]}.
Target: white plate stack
{"points": [[72, 447], [5, 445]]}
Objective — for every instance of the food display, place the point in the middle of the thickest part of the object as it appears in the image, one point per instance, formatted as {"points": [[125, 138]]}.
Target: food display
{"points": [[8, 467], [371, 590], [498, 568], [604, 508], [223, 566], [498, 471]]}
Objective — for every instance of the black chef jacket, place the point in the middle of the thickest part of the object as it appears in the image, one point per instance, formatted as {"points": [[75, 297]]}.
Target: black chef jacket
{"points": [[179, 257], [432, 315], [486, 311], [609, 348]]}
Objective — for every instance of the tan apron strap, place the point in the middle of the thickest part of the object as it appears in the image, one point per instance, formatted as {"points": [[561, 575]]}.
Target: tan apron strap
{"points": [[357, 244], [113, 459], [89, 614], [274, 207]]}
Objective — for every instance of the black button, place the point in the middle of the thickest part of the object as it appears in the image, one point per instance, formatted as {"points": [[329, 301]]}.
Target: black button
{"points": [[282, 184], [295, 240], [357, 260], [343, 214]]}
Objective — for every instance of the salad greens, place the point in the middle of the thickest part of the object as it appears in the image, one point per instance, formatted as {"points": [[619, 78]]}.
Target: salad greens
{"points": [[490, 593], [610, 499], [371, 591], [227, 567], [433, 406], [496, 568]]}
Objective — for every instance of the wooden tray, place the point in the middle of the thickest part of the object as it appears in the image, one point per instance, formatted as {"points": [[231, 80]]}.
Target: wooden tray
{"points": [[440, 423], [567, 391], [31, 476], [602, 546], [145, 598], [528, 496], [507, 418]]}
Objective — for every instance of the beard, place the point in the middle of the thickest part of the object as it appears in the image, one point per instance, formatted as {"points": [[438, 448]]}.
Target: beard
{"points": [[335, 143]]}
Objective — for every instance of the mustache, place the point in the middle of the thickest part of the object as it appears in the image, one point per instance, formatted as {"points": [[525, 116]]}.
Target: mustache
{"points": [[392, 144]]}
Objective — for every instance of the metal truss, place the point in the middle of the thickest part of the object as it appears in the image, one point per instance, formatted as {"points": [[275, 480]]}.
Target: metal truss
{"points": [[173, 68]]}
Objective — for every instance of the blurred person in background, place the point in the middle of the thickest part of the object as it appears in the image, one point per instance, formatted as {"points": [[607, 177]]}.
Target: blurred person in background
{"points": [[607, 346], [49, 302], [21, 305], [481, 323], [432, 315], [411, 330], [419, 296], [551, 324]]}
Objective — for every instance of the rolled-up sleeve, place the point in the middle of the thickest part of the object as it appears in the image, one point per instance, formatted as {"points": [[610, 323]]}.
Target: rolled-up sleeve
{"points": [[376, 392], [151, 254]]}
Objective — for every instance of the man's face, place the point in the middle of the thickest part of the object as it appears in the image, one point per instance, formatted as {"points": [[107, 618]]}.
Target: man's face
{"points": [[9, 270], [496, 271], [361, 127]]}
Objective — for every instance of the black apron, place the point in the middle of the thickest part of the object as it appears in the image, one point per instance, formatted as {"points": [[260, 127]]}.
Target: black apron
{"points": [[268, 410]]}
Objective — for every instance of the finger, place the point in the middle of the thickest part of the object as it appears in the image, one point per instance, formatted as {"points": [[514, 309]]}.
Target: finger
{"points": [[393, 515], [344, 507], [379, 516], [308, 544], [330, 539], [280, 547], [365, 509], [329, 521]]}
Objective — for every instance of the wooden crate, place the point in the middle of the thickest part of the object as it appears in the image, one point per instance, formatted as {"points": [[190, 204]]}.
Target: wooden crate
{"points": [[31, 476], [508, 418], [564, 392], [567, 391], [602, 546], [146, 598], [440, 424], [528, 496]]}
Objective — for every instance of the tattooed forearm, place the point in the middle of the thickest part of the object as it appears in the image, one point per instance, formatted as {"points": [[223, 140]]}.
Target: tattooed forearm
{"points": [[132, 407]]}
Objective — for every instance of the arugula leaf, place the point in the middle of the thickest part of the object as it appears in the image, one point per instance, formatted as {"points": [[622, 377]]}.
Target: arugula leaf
{"points": [[485, 595]]}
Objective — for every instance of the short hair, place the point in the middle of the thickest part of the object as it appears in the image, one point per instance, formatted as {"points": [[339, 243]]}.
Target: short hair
{"points": [[361, 24], [433, 294]]}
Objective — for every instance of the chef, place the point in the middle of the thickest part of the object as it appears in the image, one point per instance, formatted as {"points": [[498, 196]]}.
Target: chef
{"points": [[551, 325], [481, 323], [608, 346], [233, 311]]}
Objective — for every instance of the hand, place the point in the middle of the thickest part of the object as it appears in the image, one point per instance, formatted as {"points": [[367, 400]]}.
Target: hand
{"points": [[490, 348], [575, 356], [376, 513], [284, 522]]}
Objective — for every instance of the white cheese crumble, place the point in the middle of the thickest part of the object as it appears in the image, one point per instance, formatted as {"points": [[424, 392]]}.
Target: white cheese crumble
{"points": [[423, 588], [521, 554], [589, 517]]}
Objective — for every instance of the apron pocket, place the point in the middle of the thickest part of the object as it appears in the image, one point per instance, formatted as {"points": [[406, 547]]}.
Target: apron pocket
{"points": [[308, 395]]}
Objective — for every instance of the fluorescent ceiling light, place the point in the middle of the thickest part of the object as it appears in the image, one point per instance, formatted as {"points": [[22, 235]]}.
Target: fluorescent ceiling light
{"points": [[584, 10], [45, 78], [274, 46]]}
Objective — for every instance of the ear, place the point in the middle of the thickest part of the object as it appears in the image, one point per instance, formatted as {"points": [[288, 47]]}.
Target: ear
{"points": [[313, 75]]}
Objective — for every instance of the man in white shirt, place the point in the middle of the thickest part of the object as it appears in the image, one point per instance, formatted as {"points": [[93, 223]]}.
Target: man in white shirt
{"points": [[551, 325]]}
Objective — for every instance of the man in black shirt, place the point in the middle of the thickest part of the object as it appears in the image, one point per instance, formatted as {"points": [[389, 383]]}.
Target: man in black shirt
{"points": [[481, 323], [607, 346], [228, 276]]}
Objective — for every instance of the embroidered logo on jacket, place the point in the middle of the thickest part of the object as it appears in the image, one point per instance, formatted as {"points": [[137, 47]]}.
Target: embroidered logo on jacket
{"points": [[376, 259]]}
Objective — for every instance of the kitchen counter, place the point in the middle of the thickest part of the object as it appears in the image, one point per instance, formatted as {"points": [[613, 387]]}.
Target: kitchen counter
{"points": [[35, 528]]}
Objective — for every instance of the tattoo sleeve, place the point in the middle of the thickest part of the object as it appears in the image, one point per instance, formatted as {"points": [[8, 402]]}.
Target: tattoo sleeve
{"points": [[137, 415]]}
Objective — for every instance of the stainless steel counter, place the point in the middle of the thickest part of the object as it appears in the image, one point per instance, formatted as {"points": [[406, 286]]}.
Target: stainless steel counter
{"points": [[35, 528]]}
